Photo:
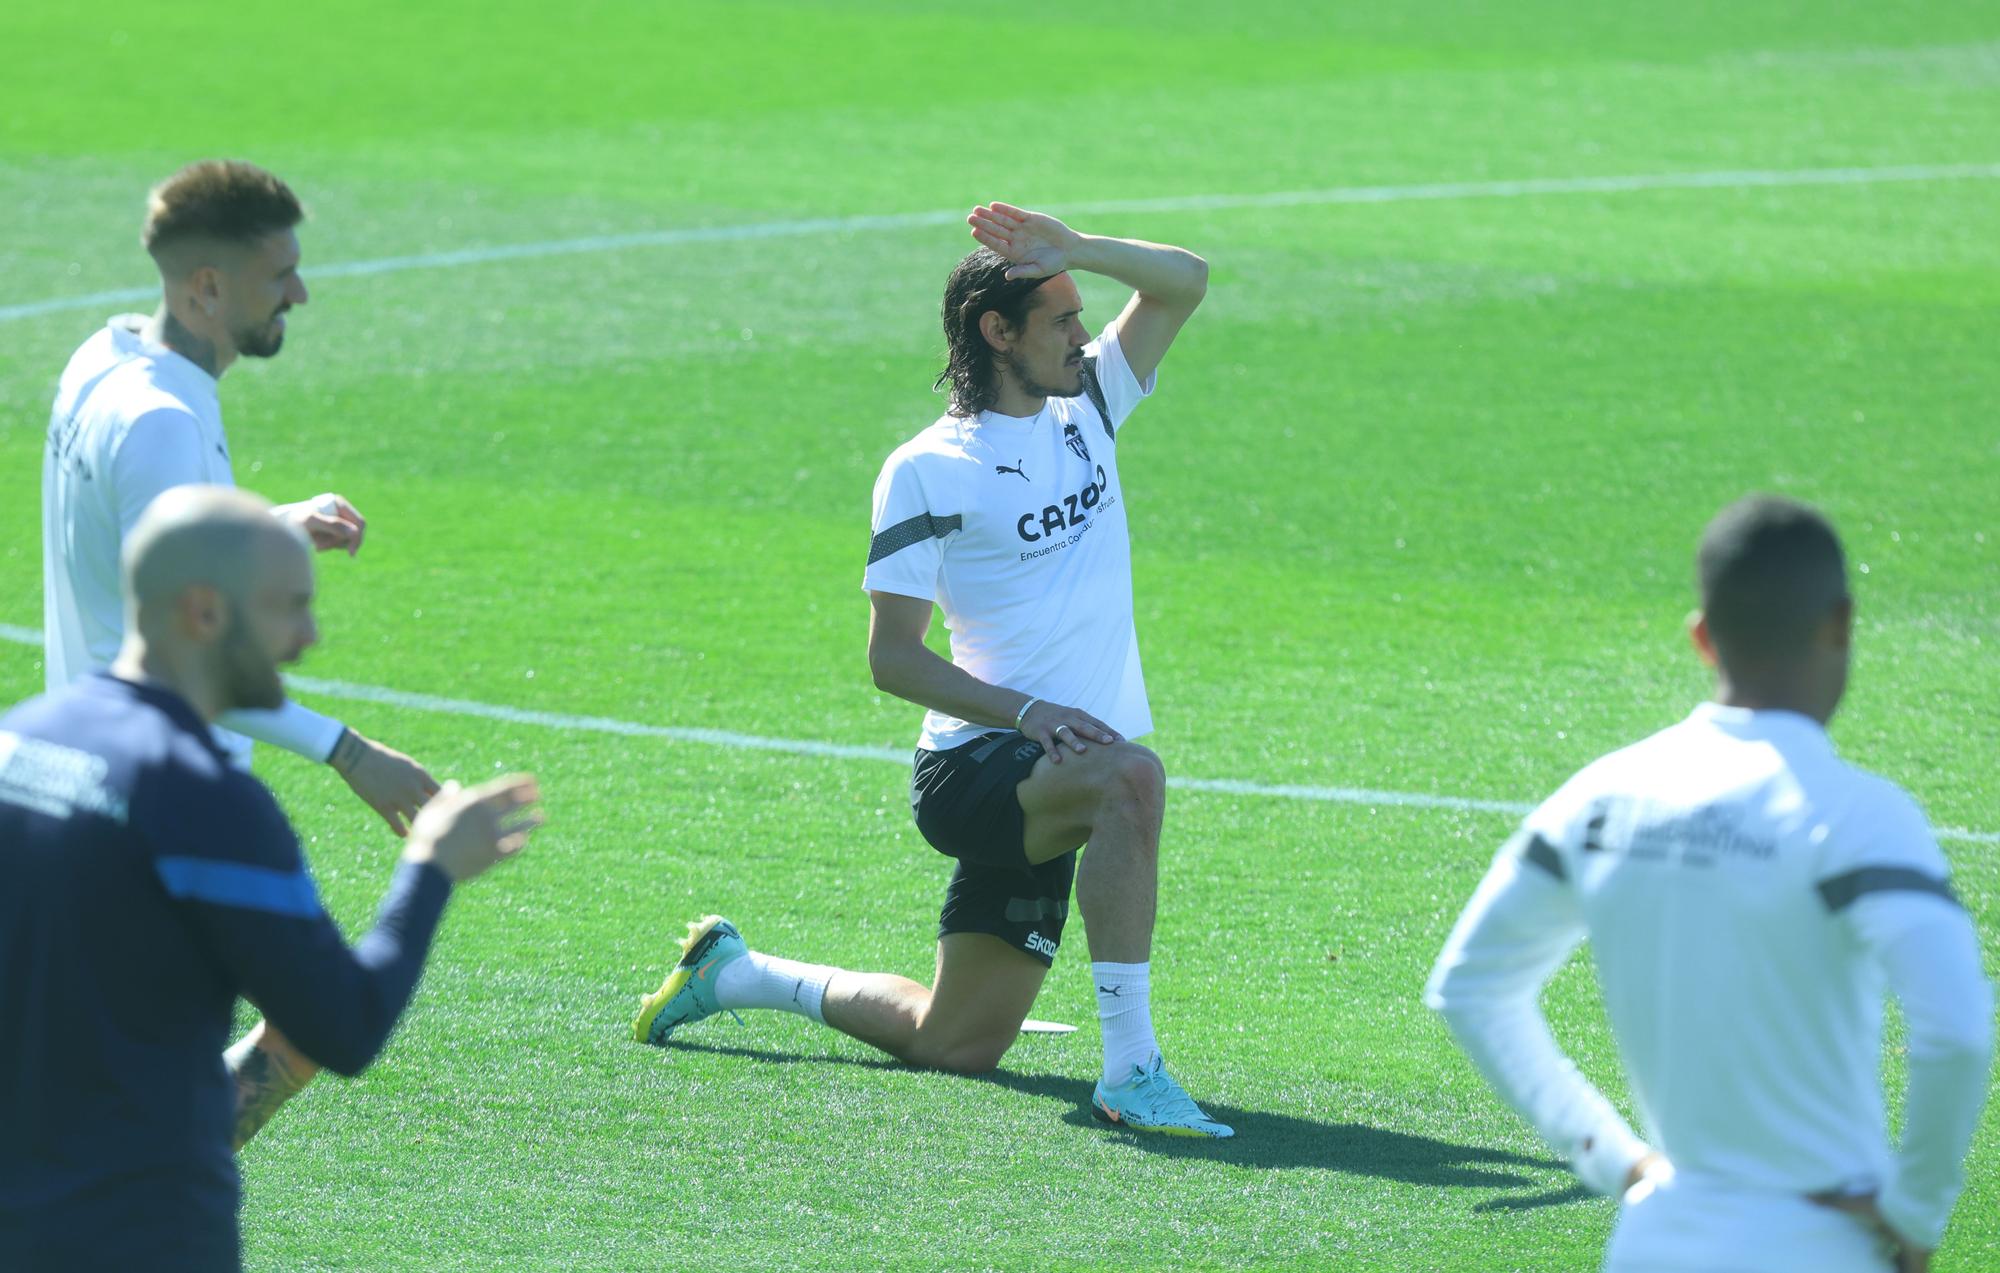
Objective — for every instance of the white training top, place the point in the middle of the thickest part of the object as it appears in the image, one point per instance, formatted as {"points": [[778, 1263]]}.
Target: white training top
{"points": [[132, 419], [1745, 893], [1017, 529]]}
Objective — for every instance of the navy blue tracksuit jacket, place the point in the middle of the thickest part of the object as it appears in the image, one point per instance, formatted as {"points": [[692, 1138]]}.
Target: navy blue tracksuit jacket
{"points": [[144, 885]]}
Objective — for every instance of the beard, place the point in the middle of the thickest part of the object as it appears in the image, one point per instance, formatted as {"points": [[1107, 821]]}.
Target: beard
{"points": [[260, 342], [249, 676], [1037, 390]]}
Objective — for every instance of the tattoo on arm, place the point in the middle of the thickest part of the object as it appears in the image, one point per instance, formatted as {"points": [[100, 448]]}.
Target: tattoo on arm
{"points": [[346, 752], [264, 1081]]}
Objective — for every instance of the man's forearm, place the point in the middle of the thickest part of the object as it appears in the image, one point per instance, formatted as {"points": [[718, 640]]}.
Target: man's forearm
{"points": [[293, 726], [923, 678], [1510, 1044], [267, 1075], [1932, 965], [1151, 269], [1517, 930]]}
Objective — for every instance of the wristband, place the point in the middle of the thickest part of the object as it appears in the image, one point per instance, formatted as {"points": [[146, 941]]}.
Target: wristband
{"points": [[1022, 715], [346, 750]]}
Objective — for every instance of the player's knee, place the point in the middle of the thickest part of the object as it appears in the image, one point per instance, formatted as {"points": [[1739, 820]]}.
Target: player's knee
{"points": [[961, 1056], [1136, 778], [977, 1057]]}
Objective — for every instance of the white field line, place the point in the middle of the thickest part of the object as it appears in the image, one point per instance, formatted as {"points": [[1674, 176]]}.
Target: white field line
{"points": [[891, 755], [1731, 179]]}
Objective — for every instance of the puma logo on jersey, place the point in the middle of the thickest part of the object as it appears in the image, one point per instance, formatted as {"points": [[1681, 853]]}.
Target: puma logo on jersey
{"points": [[1016, 470], [1068, 515]]}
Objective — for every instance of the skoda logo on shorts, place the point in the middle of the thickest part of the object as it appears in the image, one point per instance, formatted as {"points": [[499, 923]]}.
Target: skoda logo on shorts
{"points": [[1027, 751], [1040, 945]]}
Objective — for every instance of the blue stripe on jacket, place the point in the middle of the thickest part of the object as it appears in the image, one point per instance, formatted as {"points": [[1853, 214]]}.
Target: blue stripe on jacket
{"points": [[256, 888]]}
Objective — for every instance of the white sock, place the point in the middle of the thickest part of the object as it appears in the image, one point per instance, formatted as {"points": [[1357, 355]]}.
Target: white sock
{"points": [[766, 981], [1125, 1012]]}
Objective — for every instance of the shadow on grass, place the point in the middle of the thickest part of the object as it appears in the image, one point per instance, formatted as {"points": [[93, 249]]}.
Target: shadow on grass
{"points": [[1270, 1140]]}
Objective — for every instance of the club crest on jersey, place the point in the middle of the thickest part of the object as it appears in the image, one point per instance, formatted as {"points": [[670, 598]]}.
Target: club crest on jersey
{"points": [[1073, 439]]}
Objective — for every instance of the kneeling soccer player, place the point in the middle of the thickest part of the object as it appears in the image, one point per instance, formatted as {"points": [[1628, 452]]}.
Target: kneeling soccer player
{"points": [[1008, 512], [1745, 893]]}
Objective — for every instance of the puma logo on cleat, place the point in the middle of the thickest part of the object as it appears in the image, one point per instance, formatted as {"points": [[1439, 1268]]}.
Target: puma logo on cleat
{"points": [[1016, 470]]}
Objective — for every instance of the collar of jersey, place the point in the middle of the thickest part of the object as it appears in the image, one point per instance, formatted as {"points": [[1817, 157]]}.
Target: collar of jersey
{"points": [[1015, 422], [177, 708], [1760, 722], [133, 327]]}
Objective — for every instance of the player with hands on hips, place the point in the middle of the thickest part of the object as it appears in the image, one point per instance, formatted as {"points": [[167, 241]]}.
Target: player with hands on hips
{"points": [[1748, 896]]}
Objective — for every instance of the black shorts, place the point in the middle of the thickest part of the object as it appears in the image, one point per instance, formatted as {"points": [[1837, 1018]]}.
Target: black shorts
{"points": [[965, 805]]}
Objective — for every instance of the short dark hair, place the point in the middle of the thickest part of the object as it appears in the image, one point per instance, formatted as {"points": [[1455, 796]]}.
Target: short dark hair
{"points": [[221, 200], [1770, 571], [979, 284]]}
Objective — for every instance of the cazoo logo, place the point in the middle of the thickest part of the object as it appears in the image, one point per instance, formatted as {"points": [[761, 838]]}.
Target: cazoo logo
{"points": [[1073, 512]]}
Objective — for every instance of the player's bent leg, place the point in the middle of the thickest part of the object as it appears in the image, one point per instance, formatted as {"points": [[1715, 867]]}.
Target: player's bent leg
{"points": [[986, 995], [268, 1071], [1115, 798], [964, 1023], [1064, 804]]}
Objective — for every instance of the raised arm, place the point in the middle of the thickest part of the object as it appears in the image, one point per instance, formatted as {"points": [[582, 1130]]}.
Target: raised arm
{"points": [[904, 666], [1167, 282]]}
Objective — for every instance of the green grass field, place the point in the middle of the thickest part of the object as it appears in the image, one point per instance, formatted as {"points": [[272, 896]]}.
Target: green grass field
{"points": [[1412, 511]]}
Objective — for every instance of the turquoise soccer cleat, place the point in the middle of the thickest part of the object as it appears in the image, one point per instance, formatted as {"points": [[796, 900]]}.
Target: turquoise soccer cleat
{"points": [[1150, 1101], [688, 994]]}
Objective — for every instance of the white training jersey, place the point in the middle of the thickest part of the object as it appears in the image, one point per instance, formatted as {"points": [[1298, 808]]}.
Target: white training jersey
{"points": [[1017, 529], [1744, 892], [131, 419]]}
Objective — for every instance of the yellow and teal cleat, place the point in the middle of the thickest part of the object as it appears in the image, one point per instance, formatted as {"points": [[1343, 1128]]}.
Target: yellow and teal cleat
{"points": [[1150, 1101], [688, 993]]}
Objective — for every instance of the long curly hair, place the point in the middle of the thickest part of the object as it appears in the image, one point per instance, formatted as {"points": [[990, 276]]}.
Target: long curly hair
{"points": [[972, 367]]}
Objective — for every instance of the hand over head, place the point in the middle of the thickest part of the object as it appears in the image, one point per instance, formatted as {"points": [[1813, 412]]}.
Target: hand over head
{"points": [[1038, 244]]}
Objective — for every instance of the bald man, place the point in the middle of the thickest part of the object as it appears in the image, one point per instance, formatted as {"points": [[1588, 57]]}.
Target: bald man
{"points": [[146, 882]]}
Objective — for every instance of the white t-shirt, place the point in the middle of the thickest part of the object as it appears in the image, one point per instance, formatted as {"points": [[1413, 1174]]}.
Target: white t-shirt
{"points": [[132, 419], [1017, 529], [1745, 893]]}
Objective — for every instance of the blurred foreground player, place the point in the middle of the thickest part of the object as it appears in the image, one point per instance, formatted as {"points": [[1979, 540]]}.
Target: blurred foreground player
{"points": [[1010, 513], [137, 413], [1745, 894], [146, 882]]}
